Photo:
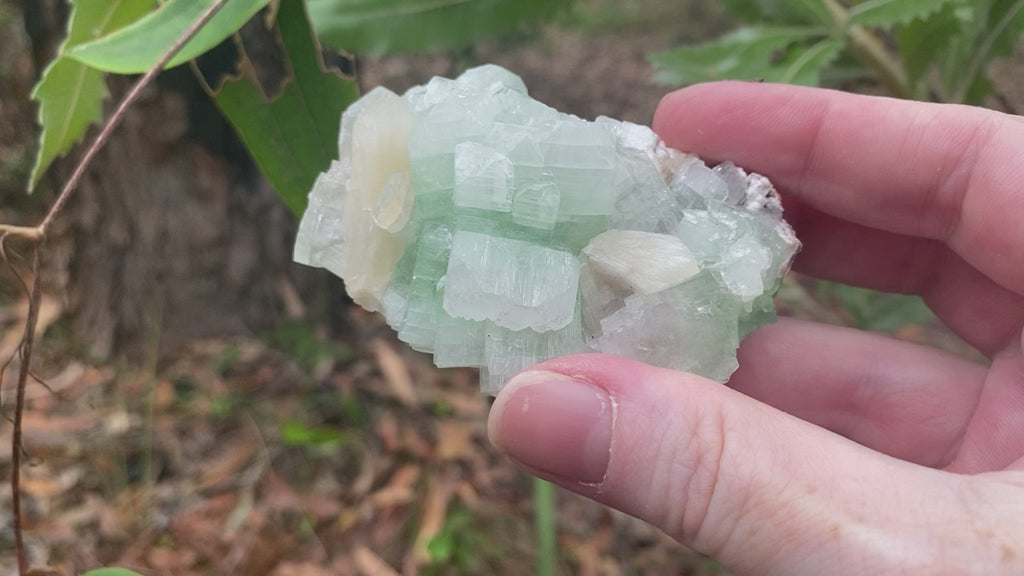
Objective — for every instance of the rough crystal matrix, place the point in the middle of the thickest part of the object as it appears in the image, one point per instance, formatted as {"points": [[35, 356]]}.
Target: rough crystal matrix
{"points": [[494, 231]]}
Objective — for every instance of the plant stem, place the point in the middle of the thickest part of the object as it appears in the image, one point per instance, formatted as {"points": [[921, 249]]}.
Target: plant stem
{"points": [[544, 524], [870, 50], [28, 340]]}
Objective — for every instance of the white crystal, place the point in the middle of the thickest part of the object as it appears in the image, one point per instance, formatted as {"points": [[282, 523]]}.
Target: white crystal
{"points": [[513, 283], [341, 231], [483, 178], [686, 328], [643, 262], [536, 205]]}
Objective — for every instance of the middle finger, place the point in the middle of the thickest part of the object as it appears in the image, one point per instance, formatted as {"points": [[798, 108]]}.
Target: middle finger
{"points": [[984, 313]]}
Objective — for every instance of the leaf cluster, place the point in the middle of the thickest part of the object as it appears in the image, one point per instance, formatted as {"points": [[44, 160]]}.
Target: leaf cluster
{"points": [[291, 135], [924, 49]]}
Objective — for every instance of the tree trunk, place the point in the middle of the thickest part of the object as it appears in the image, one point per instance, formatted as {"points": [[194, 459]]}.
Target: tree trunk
{"points": [[173, 234]]}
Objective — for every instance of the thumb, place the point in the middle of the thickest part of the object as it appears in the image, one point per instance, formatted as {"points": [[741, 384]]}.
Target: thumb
{"points": [[759, 490]]}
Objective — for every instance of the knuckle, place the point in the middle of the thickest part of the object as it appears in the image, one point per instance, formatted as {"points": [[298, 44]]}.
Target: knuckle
{"points": [[694, 478]]}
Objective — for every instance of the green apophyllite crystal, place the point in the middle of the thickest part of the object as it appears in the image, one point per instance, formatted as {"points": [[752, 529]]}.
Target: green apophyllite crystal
{"points": [[494, 231]]}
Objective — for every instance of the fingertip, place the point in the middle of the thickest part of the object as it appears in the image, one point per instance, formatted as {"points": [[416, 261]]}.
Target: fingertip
{"points": [[678, 111], [738, 121], [554, 424]]}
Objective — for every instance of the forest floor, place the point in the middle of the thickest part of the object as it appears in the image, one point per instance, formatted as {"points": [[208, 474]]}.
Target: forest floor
{"points": [[291, 453]]}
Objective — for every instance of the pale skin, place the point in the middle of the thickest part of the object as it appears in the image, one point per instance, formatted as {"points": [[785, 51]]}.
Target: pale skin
{"points": [[830, 451]]}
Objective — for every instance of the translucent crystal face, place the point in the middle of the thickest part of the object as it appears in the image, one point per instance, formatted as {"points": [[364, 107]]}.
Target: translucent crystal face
{"points": [[494, 231]]}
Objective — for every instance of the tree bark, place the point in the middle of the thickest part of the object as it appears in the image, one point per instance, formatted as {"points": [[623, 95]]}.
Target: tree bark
{"points": [[173, 234]]}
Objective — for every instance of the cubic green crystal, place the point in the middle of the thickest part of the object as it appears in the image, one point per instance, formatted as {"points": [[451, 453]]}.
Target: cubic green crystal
{"points": [[494, 231]]}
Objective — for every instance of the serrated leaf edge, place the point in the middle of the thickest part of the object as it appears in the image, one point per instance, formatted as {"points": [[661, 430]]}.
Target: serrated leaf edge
{"points": [[37, 168], [794, 69]]}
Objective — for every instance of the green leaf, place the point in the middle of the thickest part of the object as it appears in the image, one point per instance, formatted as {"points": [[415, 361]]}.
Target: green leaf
{"points": [[111, 572], [71, 95], [894, 311], [878, 311], [959, 42], [760, 10], [744, 54], [815, 10], [886, 13], [377, 26], [923, 42], [299, 434], [779, 11], [1004, 23], [803, 65], [294, 137], [441, 548], [136, 48]]}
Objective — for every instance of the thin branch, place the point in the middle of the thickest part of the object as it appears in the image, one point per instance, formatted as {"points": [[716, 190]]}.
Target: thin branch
{"points": [[29, 232], [119, 114], [19, 407], [39, 380]]}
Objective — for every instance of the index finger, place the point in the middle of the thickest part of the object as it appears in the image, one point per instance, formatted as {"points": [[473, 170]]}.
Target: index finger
{"points": [[949, 173]]}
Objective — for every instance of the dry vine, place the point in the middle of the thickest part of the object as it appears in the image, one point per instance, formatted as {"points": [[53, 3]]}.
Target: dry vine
{"points": [[37, 237]]}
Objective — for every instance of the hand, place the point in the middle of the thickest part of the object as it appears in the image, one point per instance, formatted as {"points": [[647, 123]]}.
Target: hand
{"points": [[831, 451]]}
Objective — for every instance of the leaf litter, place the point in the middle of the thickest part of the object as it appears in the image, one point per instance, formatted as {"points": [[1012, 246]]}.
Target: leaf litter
{"points": [[235, 458]]}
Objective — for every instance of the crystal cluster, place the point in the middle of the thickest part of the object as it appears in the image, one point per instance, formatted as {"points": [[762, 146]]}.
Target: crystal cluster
{"points": [[494, 231]]}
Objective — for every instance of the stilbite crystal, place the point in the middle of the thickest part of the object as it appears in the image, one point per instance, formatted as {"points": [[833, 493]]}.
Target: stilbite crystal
{"points": [[493, 231]]}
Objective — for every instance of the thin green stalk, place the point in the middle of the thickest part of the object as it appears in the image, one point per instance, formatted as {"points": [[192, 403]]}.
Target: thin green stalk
{"points": [[544, 524]]}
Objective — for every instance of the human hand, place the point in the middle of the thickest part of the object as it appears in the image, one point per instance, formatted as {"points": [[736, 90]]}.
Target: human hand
{"points": [[831, 451]]}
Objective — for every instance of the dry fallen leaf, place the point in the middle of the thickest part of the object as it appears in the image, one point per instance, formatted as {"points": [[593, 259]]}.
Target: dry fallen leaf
{"points": [[590, 553], [370, 564], [388, 431], [435, 510], [228, 464], [301, 569], [47, 430], [399, 490], [171, 560], [455, 439], [395, 372]]}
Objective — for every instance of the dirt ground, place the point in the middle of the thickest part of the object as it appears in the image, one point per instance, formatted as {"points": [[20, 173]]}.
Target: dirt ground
{"points": [[294, 454]]}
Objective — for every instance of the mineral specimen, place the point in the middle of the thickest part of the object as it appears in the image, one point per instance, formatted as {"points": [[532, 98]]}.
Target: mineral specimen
{"points": [[494, 231]]}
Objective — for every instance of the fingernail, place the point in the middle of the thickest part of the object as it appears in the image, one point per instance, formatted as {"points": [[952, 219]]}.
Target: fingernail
{"points": [[554, 424]]}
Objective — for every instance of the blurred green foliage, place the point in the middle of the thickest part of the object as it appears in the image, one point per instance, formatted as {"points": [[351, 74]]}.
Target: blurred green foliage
{"points": [[924, 49], [461, 547], [936, 50], [294, 433], [877, 311], [379, 26], [299, 340]]}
